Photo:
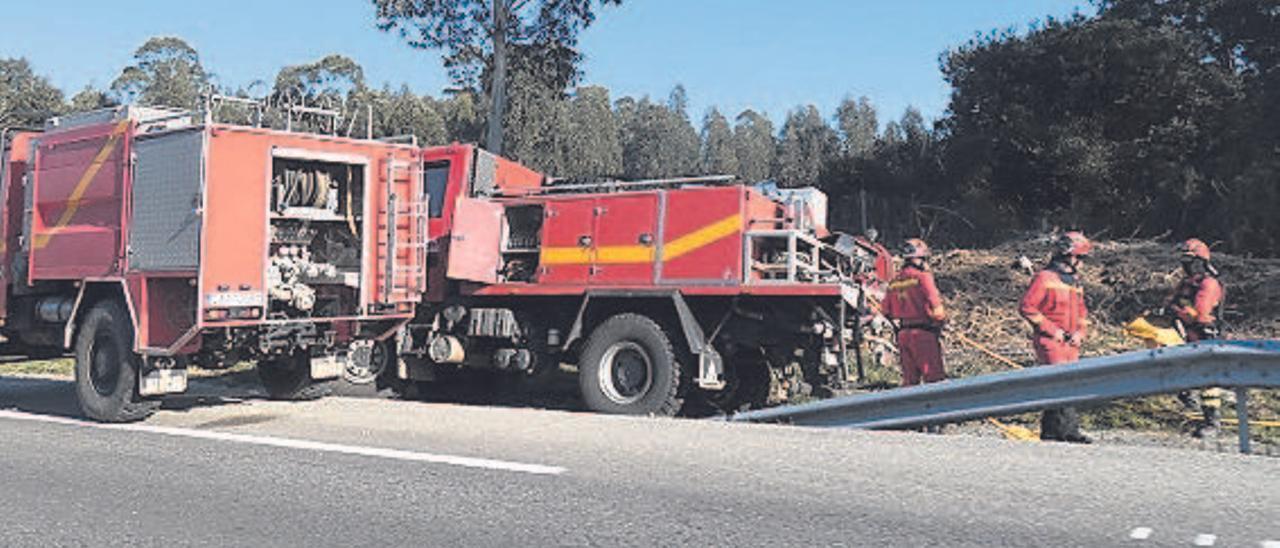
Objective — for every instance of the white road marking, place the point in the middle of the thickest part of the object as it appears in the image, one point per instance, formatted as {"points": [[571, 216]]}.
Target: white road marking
{"points": [[1270, 544], [1140, 533], [292, 443], [1206, 540]]}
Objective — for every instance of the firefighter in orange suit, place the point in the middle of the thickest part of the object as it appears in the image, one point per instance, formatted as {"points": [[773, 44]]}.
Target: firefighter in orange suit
{"points": [[915, 305], [1055, 307], [1195, 303]]}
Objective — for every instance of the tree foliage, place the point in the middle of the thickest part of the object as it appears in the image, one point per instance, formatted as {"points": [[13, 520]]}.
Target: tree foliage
{"points": [[593, 138], [807, 143], [657, 139], [478, 36], [166, 71], [90, 98], [26, 99], [1121, 123], [718, 154], [754, 145], [856, 120]]}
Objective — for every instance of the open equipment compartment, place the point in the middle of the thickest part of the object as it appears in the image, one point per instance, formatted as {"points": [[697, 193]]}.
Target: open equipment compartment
{"points": [[521, 242], [314, 266]]}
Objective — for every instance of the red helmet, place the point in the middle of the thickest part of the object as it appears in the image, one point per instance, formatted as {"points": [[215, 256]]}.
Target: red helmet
{"points": [[915, 248], [1073, 243], [1194, 248]]}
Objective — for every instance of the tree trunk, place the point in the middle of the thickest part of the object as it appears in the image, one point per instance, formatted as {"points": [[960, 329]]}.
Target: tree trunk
{"points": [[498, 84]]}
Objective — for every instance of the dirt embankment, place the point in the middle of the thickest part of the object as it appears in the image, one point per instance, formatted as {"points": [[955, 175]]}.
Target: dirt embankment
{"points": [[1122, 279]]}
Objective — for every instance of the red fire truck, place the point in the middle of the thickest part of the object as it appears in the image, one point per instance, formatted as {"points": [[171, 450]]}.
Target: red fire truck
{"points": [[147, 240], [661, 292]]}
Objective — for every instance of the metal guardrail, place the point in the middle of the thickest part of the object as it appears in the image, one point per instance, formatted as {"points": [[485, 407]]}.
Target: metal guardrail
{"points": [[1234, 364]]}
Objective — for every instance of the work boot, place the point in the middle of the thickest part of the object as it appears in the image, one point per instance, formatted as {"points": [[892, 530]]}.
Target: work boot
{"points": [[1211, 425], [1188, 400], [1051, 425], [1077, 437]]}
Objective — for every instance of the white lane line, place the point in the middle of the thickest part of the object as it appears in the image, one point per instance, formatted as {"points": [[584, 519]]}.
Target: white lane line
{"points": [[1270, 544], [1140, 533], [291, 443], [1206, 540]]}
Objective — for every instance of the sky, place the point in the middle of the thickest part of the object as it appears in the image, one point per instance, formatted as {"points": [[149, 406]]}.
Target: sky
{"points": [[769, 55]]}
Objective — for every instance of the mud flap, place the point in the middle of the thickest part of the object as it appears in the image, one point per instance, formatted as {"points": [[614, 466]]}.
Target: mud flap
{"points": [[328, 366]]}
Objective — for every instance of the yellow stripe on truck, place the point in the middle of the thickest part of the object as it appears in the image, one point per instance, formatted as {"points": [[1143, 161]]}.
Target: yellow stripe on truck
{"points": [[637, 254], [702, 237], [565, 255], [624, 254], [77, 193]]}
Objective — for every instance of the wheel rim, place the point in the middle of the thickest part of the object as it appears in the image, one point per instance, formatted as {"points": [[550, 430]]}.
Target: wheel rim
{"points": [[357, 373], [626, 373], [104, 364]]}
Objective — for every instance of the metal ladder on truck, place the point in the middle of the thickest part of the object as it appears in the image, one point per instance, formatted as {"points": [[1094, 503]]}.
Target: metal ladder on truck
{"points": [[402, 250]]}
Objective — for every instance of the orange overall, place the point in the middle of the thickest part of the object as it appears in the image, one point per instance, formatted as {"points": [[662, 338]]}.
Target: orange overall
{"points": [[914, 301], [1054, 304], [1196, 301]]}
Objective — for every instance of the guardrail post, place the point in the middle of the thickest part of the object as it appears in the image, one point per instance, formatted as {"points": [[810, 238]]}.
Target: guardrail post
{"points": [[1242, 416]]}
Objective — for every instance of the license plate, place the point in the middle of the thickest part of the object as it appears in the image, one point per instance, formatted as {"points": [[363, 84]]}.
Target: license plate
{"points": [[158, 382]]}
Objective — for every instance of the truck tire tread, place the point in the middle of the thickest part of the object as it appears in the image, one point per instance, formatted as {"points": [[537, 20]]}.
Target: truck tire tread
{"points": [[291, 382], [664, 398], [123, 404]]}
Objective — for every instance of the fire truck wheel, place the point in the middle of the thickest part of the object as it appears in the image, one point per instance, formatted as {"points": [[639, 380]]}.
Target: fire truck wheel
{"points": [[628, 367], [107, 368], [289, 378]]}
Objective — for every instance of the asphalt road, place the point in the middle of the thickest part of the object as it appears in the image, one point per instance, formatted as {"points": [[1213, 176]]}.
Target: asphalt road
{"points": [[216, 469]]}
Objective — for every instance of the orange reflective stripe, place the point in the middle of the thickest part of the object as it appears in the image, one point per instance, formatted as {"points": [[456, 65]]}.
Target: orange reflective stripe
{"points": [[899, 285], [1061, 286]]}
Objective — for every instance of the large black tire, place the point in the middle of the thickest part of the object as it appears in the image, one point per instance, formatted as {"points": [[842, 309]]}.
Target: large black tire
{"points": [[289, 378], [107, 368], [628, 367]]}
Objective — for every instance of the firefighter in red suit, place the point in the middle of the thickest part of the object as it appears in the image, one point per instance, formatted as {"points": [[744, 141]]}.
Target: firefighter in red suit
{"points": [[914, 303], [1054, 305], [1195, 303]]}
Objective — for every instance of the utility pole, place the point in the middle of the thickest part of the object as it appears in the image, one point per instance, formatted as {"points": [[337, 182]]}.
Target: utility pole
{"points": [[498, 84]]}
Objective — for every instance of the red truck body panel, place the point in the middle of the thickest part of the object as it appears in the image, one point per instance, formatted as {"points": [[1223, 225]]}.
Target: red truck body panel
{"points": [[567, 229], [625, 239], [11, 218], [702, 236], [79, 184]]}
